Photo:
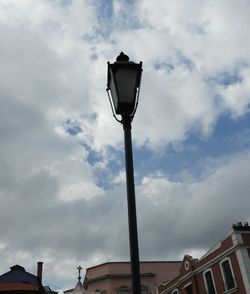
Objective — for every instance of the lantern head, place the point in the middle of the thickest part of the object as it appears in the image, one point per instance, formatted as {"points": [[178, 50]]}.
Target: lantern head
{"points": [[124, 79]]}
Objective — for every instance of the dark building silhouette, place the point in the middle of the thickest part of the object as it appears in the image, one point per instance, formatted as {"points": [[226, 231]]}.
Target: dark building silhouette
{"points": [[18, 281]]}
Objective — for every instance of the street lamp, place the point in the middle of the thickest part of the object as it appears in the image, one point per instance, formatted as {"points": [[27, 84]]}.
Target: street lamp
{"points": [[123, 87]]}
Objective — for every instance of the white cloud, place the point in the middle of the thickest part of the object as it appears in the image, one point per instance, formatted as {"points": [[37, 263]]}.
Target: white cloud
{"points": [[53, 70], [202, 30], [173, 104], [236, 96], [190, 216], [184, 46]]}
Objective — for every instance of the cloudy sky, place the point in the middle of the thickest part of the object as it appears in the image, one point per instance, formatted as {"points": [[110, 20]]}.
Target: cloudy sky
{"points": [[62, 185]]}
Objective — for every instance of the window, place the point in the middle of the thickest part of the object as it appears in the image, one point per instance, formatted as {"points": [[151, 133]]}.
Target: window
{"points": [[175, 291], [123, 290], [227, 274], [189, 289], [209, 282]]}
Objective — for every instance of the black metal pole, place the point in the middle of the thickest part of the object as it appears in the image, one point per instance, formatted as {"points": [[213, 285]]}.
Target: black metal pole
{"points": [[132, 221]]}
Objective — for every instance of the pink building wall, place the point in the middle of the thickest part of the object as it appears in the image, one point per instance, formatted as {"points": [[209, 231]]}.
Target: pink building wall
{"points": [[112, 275]]}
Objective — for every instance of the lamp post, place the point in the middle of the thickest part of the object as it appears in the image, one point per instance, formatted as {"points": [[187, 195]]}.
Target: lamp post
{"points": [[123, 87]]}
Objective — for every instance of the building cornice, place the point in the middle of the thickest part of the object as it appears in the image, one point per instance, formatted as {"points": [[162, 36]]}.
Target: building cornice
{"points": [[116, 276], [128, 262]]}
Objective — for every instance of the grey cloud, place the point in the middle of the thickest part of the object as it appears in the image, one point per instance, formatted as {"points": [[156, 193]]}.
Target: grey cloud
{"points": [[47, 76], [196, 215]]}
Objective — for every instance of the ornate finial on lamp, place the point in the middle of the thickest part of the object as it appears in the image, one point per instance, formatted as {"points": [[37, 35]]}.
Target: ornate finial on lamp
{"points": [[122, 57]]}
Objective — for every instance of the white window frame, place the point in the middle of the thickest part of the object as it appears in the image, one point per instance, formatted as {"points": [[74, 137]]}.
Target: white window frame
{"points": [[175, 291], [223, 275], [187, 285], [205, 280]]}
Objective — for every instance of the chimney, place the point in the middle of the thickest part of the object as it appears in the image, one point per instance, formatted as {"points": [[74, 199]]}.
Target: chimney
{"points": [[40, 271]]}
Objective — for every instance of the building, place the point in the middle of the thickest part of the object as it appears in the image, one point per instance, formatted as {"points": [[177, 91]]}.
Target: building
{"points": [[225, 268], [17, 281], [115, 277], [79, 288]]}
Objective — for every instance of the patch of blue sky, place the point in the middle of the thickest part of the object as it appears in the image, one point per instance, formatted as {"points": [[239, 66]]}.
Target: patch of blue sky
{"points": [[72, 127], [163, 65], [93, 157], [225, 78], [104, 13], [229, 137], [109, 22], [104, 8], [65, 2], [169, 162], [228, 78], [143, 164], [188, 63], [234, 131], [104, 176]]}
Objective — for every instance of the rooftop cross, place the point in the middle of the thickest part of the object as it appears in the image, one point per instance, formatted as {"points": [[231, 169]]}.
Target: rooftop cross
{"points": [[79, 271]]}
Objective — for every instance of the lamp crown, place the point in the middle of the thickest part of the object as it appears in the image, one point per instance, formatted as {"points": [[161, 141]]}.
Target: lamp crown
{"points": [[122, 57]]}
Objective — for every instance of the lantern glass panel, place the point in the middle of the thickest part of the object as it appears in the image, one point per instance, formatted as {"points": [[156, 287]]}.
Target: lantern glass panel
{"points": [[126, 84], [113, 90]]}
